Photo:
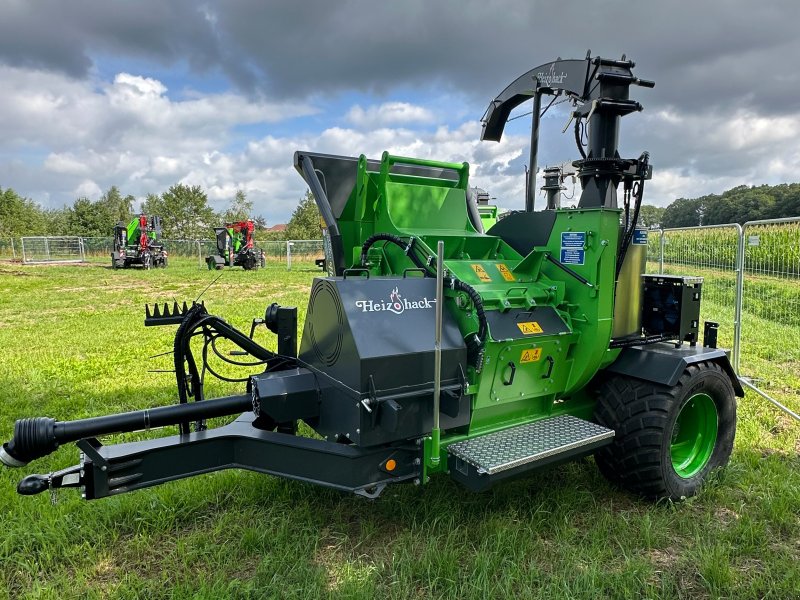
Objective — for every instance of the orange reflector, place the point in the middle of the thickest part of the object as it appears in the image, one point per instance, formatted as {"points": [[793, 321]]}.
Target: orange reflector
{"points": [[391, 464]]}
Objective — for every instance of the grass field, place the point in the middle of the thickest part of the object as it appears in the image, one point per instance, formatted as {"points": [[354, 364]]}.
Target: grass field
{"points": [[72, 345]]}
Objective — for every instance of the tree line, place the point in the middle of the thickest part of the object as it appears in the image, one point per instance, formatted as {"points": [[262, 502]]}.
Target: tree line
{"points": [[737, 205], [186, 214], [184, 211]]}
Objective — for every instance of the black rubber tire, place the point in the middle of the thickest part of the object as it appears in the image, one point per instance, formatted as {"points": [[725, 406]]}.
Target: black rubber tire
{"points": [[643, 415]]}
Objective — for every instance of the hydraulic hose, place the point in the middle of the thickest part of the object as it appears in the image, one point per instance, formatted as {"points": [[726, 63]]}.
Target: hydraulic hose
{"points": [[39, 436], [477, 341], [578, 140], [407, 248], [644, 159]]}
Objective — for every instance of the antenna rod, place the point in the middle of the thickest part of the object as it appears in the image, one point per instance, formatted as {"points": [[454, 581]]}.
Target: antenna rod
{"points": [[531, 187]]}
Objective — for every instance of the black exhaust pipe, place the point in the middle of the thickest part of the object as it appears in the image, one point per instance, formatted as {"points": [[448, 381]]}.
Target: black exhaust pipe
{"points": [[39, 436]]}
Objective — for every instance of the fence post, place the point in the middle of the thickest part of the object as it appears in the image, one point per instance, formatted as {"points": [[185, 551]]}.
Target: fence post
{"points": [[661, 242], [13, 251], [199, 254], [289, 255], [737, 311], [47, 247]]}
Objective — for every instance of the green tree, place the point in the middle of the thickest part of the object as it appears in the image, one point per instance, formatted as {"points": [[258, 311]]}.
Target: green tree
{"points": [[651, 216], [260, 221], [20, 216], [89, 218], [240, 209], [684, 212], [305, 223], [120, 208], [184, 211]]}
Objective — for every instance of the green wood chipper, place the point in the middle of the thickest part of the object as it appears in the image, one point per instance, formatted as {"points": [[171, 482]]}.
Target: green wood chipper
{"points": [[436, 348]]}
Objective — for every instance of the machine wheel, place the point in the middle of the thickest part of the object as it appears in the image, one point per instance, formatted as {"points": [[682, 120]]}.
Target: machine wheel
{"points": [[263, 261], [668, 439]]}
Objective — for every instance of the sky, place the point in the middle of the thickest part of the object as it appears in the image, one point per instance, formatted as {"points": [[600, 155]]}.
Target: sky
{"points": [[146, 94]]}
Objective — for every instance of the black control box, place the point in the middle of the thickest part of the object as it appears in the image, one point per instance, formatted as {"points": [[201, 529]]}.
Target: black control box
{"points": [[671, 306]]}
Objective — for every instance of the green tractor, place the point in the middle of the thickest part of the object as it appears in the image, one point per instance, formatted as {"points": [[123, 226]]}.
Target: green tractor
{"points": [[236, 247], [137, 243], [436, 349]]}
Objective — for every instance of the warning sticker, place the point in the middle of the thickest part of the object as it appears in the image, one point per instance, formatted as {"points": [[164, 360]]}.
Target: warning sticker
{"points": [[505, 272], [530, 355], [481, 273], [530, 327]]}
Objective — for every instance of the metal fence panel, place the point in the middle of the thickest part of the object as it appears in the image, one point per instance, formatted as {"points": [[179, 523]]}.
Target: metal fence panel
{"points": [[303, 250], [710, 251], [655, 254], [771, 297], [43, 249]]}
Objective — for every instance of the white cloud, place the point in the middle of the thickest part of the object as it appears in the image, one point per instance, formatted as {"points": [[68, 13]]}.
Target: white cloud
{"points": [[129, 132], [88, 189], [389, 113]]}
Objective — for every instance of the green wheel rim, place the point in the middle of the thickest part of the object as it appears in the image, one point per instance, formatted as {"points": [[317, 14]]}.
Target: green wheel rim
{"points": [[694, 435]]}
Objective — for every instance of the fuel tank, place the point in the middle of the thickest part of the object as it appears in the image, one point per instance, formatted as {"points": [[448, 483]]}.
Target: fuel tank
{"points": [[628, 299]]}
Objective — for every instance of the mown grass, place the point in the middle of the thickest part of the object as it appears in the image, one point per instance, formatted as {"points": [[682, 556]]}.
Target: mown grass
{"points": [[72, 345]]}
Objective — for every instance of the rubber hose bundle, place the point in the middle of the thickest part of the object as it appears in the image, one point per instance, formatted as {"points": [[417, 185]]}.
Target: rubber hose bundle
{"points": [[394, 239], [644, 159], [181, 350]]}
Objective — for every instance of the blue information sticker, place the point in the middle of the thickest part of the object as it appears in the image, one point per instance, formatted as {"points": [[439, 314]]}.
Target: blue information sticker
{"points": [[572, 256], [640, 237], [573, 239]]}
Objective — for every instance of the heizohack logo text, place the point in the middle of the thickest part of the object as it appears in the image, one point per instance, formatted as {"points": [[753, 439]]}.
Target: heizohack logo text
{"points": [[396, 304]]}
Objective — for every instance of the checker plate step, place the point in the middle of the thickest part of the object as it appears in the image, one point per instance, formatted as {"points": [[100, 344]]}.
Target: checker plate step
{"points": [[502, 450]]}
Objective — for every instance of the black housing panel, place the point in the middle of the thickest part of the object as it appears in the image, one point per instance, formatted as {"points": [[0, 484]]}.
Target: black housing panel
{"points": [[370, 342], [525, 230]]}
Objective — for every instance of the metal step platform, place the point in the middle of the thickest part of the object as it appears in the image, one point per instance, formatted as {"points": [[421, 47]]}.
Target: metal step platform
{"points": [[479, 462]]}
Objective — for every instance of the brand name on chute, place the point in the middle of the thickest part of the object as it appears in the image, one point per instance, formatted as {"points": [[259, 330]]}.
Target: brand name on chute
{"points": [[551, 77], [396, 304]]}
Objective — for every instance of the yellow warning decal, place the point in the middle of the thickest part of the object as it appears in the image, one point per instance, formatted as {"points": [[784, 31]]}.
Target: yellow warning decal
{"points": [[530, 327], [481, 273], [530, 355], [504, 271]]}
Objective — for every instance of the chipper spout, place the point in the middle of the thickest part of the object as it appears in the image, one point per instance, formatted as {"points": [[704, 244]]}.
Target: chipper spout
{"points": [[40, 436]]}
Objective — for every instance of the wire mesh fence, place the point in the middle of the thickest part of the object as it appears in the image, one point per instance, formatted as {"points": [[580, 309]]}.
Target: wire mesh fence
{"points": [[752, 283], [98, 249], [8, 249]]}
